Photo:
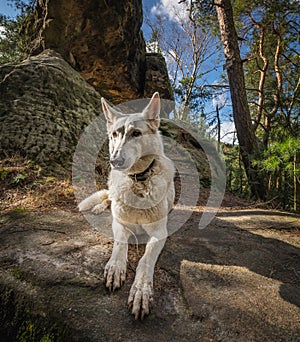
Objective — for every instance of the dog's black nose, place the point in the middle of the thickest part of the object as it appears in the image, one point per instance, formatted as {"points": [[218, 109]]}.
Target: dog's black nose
{"points": [[117, 162]]}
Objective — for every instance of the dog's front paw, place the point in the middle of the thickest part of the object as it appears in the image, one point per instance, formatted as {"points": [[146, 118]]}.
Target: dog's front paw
{"points": [[141, 298], [99, 208], [114, 274], [98, 202]]}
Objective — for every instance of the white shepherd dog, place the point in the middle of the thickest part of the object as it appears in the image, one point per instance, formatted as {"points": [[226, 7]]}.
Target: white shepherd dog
{"points": [[141, 193]]}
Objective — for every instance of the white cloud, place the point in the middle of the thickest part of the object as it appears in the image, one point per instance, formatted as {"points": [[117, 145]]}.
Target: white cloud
{"points": [[220, 100], [228, 133], [171, 10]]}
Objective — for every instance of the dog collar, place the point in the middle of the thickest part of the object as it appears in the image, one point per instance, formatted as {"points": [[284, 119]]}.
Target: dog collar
{"points": [[141, 177]]}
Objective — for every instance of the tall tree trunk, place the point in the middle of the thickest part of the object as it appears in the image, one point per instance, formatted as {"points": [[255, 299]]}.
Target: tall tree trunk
{"points": [[241, 112], [295, 182], [218, 127]]}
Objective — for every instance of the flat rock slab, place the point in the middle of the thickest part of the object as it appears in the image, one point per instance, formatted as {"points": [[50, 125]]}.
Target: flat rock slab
{"points": [[221, 283], [236, 303]]}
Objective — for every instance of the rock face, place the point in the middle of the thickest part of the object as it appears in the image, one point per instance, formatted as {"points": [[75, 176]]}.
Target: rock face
{"points": [[44, 108], [223, 283], [103, 41], [156, 77]]}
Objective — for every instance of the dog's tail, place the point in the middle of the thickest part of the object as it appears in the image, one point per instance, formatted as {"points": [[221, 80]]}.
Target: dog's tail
{"points": [[97, 202]]}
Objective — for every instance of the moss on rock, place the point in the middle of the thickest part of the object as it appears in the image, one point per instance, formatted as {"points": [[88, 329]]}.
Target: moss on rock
{"points": [[44, 107], [22, 322]]}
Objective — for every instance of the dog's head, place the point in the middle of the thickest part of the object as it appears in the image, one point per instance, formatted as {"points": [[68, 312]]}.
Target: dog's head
{"points": [[133, 137]]}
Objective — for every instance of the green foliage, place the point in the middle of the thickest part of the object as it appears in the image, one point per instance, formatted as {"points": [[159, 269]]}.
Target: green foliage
{"points": [[270, 31], [9, 41], [280, 164], [198, 97], [3, 173], [235, 172], [31, 331], [19, 178], [279, 157], [14, 40], [17, 273], [205, 13]]}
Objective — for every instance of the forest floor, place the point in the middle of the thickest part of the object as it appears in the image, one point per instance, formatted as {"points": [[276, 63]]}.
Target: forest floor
{"points": [[238, 279]]}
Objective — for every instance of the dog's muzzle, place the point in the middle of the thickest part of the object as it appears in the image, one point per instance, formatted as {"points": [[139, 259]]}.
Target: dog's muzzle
{"points": [[117, 162]]}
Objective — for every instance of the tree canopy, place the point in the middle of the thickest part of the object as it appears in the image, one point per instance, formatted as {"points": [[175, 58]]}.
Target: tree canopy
{"points": [[267, 51]]}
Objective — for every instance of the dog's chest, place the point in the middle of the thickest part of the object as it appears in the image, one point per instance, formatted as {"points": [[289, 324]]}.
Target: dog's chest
{"points": [[127, 189], [138, 202], [141, 189]]}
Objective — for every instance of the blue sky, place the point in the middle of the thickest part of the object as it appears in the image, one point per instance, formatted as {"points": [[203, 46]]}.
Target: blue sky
{"points": [[147, 5], [7, 9]]}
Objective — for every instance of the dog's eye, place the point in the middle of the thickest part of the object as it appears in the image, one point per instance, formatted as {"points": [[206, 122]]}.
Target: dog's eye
{"points": [[114, 134], [136, 134]]}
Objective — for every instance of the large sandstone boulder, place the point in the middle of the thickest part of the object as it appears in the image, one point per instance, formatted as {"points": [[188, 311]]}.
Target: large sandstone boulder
{"points": [[103, 41], [44, 107]]}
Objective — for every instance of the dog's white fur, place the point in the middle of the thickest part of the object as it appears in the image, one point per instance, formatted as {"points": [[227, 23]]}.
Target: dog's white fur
{"points": [[140, 201]]}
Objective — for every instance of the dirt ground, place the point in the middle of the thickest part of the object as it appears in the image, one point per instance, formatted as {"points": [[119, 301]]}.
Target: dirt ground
{"points": [[236, 280]]}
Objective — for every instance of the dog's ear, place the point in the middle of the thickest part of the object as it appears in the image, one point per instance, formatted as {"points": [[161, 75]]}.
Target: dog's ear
{"points": [[110, 113], [152, 111]]}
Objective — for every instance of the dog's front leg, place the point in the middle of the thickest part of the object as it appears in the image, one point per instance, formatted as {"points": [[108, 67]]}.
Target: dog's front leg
{"points": [[115, 269], [141, 293]]}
